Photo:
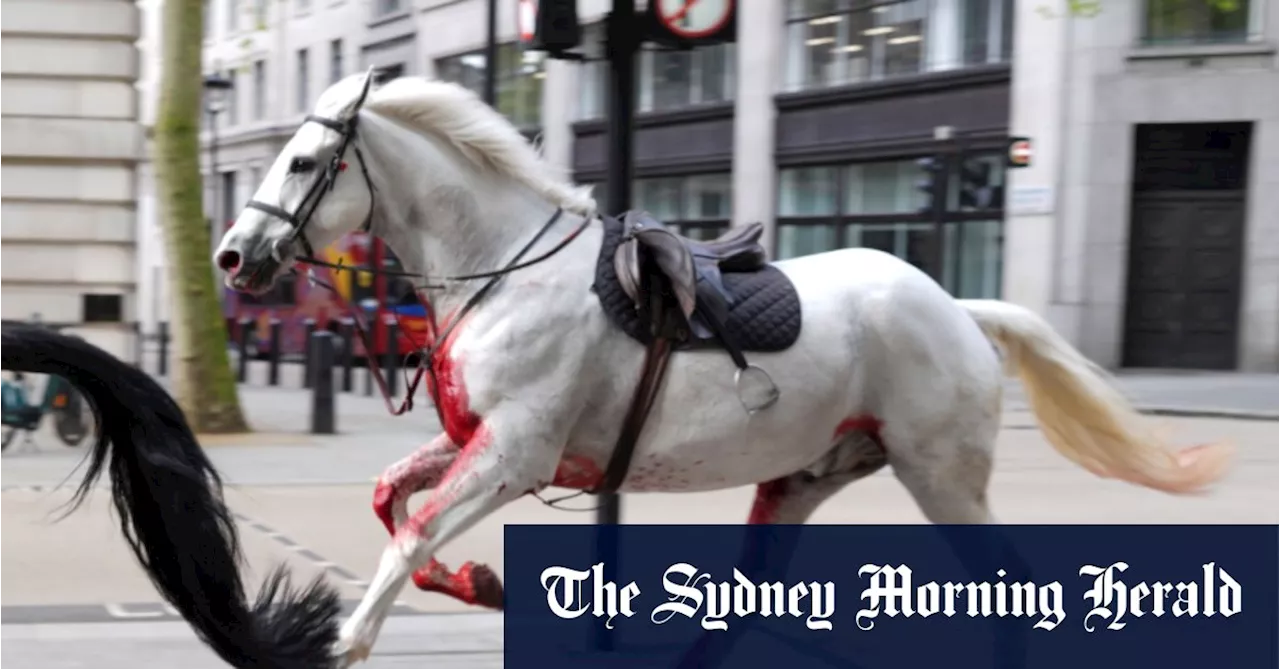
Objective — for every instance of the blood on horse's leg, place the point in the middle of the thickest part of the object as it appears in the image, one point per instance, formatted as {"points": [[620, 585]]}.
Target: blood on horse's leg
{"points": [[480, 480], [473, 583], [420, 470], [789, 500]]}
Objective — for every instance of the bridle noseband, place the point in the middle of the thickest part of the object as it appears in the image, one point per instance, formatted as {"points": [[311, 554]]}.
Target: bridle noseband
{"points": [[328, 179]]}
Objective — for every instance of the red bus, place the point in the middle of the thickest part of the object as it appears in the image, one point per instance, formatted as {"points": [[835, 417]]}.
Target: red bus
{"points": [[379, 299]]}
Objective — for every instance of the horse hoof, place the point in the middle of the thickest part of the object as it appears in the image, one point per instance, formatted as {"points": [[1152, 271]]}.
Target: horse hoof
{"points": [[487, 586], [348, 653], [473, 583]]}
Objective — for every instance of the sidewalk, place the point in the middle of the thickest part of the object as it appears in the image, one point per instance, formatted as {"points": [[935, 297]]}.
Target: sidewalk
{"points": [[1194, 394]]}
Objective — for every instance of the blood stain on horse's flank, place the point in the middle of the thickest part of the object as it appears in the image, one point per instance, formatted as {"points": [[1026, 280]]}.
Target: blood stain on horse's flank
{"points": [[576, 471], [457, 419], [769, 496], [868, 424]]}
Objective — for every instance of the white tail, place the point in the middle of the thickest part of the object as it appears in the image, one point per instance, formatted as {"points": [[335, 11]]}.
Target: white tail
{"points": [[1082, 415]]}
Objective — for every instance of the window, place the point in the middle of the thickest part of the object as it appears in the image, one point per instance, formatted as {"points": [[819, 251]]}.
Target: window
{"points": [[230, 99], [879, 205], [384, 7], [698, 206], [668, 79], [677, 79], [838, 42], [400, 290], [519, 77], [233, 15], [259, 14], [385, 73], [1175, 22], [205, 19], [335, 61], [101, 308], [255, 180], [259, 90], [303, 100], [227, 195]]}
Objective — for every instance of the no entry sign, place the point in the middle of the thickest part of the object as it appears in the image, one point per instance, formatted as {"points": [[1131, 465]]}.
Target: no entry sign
{"points": [[1019, 152]]}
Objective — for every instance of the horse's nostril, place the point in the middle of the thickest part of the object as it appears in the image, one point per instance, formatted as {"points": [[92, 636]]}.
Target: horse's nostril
{"points": [[228, 260]]}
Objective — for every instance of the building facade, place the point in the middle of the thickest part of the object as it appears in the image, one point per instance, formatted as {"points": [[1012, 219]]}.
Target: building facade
{"points": [[820, 142], [72, 142], [1139, 228], [1146, 226], [706, 151]]}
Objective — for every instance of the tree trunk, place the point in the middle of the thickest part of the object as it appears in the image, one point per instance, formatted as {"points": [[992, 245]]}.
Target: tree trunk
{"points": [[203, 382]]}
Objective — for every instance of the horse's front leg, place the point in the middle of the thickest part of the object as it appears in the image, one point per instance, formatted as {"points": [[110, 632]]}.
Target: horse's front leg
{"points": [[472, 583], [497, 465]]}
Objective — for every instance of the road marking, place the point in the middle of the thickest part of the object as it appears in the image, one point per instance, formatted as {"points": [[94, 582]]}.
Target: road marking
{"points": [[119, 611], [341, 573]]}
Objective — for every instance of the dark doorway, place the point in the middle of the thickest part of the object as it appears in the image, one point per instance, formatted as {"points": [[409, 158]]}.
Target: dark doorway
{"points": [[1186, 243]]}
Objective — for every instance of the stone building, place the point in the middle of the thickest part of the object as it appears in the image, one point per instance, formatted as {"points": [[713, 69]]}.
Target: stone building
{"points": [[72, 141]]}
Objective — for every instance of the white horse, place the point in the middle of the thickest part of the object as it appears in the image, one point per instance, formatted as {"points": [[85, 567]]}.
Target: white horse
{"points": [[534, 380]]}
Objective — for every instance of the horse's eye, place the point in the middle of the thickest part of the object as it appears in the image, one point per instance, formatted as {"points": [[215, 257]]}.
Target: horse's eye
{"points": [[301, 164]]}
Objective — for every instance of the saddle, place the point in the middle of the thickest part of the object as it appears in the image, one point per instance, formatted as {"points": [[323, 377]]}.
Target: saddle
{"points": [[670, 293]]}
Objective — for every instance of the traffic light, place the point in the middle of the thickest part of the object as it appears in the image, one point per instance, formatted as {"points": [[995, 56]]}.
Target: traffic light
{"points": [[556, 28], [976, 189], [930, 185]]}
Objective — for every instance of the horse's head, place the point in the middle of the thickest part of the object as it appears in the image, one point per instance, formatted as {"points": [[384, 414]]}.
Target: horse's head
{"points": [[315, 192]]}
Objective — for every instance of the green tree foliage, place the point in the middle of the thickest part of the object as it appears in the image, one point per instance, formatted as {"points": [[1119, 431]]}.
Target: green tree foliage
{"points": [[203, 382], [1091, 8]]}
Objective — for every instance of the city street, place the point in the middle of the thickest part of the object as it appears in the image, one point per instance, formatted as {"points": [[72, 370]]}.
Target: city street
{"points": [[73, 596]]}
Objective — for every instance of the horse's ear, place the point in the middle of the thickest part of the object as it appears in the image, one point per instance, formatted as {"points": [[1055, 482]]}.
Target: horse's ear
{"points": [[354, 107]]}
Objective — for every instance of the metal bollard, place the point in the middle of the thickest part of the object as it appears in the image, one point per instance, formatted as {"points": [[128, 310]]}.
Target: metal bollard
{"points": [[163, 335], [242, 341], [392, 355], [310, 326], [347, 331], [273, 362], [320, 347]]}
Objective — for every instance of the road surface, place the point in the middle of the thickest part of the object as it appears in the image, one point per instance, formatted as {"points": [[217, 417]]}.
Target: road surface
{"points": [[72, 596]]}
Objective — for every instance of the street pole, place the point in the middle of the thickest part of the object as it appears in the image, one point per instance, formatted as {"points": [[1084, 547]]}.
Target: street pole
{"points": [[491, 56], [216, 188], [621, 43], [215, 88]]}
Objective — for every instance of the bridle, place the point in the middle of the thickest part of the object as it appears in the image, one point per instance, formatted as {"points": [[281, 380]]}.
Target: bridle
{"points": [[299, 218]]}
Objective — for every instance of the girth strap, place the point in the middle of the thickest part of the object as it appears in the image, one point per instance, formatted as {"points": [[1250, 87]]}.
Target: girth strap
{"points": [[656, 357]]}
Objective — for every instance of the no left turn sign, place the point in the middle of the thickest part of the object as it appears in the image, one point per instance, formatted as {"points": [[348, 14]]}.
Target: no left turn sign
{"points": [[1019, 152]]}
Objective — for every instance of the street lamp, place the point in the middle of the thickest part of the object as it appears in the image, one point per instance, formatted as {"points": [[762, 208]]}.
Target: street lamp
{"points": [[216, 88]]}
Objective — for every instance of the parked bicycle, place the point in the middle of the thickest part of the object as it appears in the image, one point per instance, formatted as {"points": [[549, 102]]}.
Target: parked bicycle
{"points": [[72, 415]]}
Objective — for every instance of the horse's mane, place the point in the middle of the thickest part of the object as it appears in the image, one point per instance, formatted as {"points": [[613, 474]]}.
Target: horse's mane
{"points": [[481, 134]]}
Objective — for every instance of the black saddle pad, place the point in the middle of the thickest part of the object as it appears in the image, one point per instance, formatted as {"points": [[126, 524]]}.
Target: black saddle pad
{"points": [[764, 312]]}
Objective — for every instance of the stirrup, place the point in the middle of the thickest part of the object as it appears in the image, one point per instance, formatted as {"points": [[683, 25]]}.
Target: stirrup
{"points": [[769, 396]]}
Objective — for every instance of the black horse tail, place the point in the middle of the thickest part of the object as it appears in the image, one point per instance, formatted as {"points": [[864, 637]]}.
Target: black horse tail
{"points": [[169, 500]]}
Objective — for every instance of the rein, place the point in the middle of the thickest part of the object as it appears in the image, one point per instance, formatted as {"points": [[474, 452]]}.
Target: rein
{"points": [[299, 219], [427, 351]]}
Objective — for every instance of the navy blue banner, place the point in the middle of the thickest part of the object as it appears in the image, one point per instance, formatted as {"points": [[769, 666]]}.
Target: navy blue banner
{"points": [[882, 596]]}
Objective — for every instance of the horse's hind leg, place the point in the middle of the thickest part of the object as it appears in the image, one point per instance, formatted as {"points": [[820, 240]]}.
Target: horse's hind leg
{"points": [[472, 583], [948, 475], [790, 500]]}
